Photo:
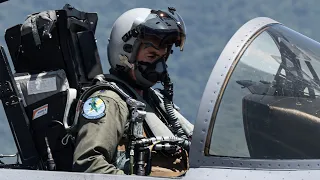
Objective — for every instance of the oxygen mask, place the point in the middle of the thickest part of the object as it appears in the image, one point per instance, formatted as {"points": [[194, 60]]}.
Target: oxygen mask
{"points": [[153, 72]]}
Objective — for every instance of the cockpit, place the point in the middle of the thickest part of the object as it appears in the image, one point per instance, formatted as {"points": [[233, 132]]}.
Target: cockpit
{"points": [[269, 107]]}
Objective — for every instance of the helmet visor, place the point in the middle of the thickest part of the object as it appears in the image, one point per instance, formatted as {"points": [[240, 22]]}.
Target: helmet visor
{"points": [[165, 28]]}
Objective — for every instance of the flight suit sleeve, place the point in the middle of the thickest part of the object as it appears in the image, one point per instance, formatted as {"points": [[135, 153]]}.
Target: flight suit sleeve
{"points": [[97, 139]]}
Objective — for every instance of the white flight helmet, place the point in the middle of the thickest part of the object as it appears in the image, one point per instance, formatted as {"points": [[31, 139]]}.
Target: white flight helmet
{"points": [[134, 25]]}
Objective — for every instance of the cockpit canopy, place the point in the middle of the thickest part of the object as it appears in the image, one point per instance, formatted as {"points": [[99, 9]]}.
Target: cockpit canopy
{"points": [[269, 106]]}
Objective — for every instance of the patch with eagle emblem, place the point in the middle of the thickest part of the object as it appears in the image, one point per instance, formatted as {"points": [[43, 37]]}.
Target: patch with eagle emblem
{"points": [[94, 108]]}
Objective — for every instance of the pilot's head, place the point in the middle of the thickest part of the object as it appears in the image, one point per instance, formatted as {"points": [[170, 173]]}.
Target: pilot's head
{"points": [[140, 44]]}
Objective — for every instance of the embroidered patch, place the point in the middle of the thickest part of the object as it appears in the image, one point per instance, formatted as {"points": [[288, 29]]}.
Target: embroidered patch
{"points": [[94, 108]]}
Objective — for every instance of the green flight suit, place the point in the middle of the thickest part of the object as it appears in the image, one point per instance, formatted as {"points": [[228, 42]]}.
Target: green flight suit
{"points": [[97, 139]]}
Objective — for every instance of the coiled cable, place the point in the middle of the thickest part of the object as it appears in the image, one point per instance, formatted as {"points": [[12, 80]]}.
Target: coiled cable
{"points": [[173, 120]]}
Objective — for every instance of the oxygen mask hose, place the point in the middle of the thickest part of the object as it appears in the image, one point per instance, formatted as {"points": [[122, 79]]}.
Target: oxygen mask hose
{"points": [[168, 105]]}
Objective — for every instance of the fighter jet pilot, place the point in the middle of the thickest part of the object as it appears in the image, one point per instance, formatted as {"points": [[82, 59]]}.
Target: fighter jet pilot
{"points": [[139, 46]]}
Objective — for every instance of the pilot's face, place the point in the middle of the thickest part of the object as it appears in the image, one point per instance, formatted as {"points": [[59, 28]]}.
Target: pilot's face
{"points": [[149, 52]]}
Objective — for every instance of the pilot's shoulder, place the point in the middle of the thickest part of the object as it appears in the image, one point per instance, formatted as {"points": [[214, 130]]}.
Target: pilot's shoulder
{"points": [[109, 94]]}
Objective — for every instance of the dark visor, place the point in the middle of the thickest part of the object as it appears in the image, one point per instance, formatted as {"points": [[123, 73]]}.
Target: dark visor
{"points": [[164, 27]]}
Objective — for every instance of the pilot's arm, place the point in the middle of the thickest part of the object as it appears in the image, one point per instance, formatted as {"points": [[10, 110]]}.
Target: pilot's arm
{"points": [[98, 136]]}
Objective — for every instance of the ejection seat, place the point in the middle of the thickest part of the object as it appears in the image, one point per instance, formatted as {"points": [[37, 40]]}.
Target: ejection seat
{"points": [[49, 74]]}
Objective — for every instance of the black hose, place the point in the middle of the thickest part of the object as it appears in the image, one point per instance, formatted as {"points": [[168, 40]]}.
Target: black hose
{"points": [[173, 120], [168, 105]]}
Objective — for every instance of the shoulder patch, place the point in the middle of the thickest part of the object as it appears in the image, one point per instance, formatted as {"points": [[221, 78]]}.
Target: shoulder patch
{"points": [[94, 108]]}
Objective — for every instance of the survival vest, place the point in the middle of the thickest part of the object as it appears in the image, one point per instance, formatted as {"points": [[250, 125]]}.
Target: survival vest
{"points": [[163, 164]]}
